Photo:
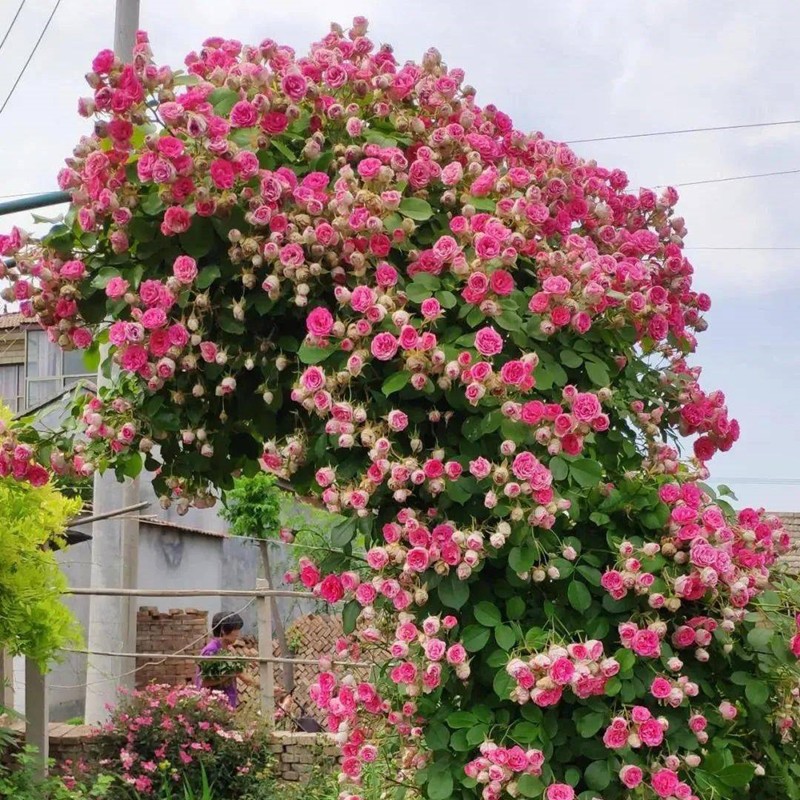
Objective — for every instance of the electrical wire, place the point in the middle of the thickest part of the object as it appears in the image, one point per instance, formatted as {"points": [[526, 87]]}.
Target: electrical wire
{"points": [[684, 130], [30, 57], [734, 178], [13, 22]]}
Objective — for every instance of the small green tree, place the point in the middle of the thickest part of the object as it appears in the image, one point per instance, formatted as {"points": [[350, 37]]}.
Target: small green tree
{"points": [[33, 620]]}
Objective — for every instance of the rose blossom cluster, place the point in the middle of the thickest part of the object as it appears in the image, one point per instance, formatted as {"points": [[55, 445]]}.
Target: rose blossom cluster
{"points": [[620, 258], [672, 692], [498, 768], [559, 429], [664, 781], [636, 729], [645, 642], [581, 667], [364, 721]]}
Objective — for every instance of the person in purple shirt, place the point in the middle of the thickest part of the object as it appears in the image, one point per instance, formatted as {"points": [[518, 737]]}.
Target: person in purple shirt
{"points": [[225, 630]]}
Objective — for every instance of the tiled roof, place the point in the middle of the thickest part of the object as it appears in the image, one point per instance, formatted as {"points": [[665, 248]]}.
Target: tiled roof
{"points": [[13, 319], [166, 523], [791, 521]]}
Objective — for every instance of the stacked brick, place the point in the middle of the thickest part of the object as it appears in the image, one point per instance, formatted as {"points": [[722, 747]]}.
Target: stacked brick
{"points": [[176, 630], [297, 754]]}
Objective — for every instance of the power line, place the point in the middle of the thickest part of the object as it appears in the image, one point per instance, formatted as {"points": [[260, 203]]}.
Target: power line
{"points": [[13, 22], [32, 54], [734, 178], [760, 481], [684, 130]]}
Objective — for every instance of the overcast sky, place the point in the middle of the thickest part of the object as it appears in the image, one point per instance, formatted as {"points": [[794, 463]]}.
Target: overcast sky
{"points": [[573, 70]]}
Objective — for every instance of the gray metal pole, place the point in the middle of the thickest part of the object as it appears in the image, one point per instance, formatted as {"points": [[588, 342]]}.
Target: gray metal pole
{"points": [[115, 541]]}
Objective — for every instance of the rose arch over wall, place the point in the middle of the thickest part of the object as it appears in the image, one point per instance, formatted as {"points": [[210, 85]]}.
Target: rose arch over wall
{"points": [[472, 344]]}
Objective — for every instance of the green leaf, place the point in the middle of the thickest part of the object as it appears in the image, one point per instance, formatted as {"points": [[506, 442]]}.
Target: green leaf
{"points": [[586, 472], [416, 208], [569, 358], [525, 732], [757, 692], [483, 204], [437, 736], [588, 724], [597, 372], [350, 616], [440, 785], [152, 204], [132, 465], [283, 150], [199, 239], [530, 786], [308, 354], [430, 282], [475, 637], [462, 719], [505, 637], [737, 776], [207, 276], [597, 775], [488, 614], [396, 382], [559, 468], [579, 596], [447, 299], [515, 608], [592, 575], [223, 100], [452, 592], [342, 533], [522, 558], [759, 638]]}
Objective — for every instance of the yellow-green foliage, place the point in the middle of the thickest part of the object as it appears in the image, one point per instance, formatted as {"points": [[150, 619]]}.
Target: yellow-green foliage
{"points": [[33, 620]]}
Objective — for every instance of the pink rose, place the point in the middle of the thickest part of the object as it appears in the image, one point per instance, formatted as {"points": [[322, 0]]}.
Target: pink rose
{"points": [[243, 115], [431, 308], [664, 782], [309, 574], [501, 282], [319, 322], [275, 122], [660, 688], [480, 468], [651, 733], [176, 220], [728, 710], [417, 559], [72, 270], [586, 406], [384, 346], [116, 287], [559, 791], [456, 654], [397, 420], [331, 589], [208, 352], [184, 268], [435, 649], [631, 776], [646, 644], [222, 173], [488, 342], [562, 671]]}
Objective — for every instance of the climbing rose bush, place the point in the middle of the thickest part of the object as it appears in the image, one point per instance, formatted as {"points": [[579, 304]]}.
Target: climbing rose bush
{"points": [[473, 345]]}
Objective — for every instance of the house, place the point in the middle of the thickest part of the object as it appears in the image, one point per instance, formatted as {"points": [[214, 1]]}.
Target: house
{"points": [[175, 552]]}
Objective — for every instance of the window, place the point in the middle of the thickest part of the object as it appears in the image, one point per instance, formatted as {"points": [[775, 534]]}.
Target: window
{"points": [[12, 385], [49, 370]]}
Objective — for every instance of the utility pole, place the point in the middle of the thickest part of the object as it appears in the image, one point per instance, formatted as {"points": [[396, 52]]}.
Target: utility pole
{"points": [[115, 541]]}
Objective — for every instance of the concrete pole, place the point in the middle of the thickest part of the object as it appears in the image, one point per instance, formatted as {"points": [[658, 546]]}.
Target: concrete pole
{"points": [[115, 541]]}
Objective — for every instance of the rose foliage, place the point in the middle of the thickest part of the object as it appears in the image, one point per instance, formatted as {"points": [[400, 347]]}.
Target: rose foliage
{"points": [[472, 344]]}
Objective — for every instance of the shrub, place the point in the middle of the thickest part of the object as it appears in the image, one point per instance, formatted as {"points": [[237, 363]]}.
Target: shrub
{"points": [[163, 735]]}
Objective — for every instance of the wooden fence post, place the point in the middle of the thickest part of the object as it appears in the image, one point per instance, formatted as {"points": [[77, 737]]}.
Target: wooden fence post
{"points": [[36, 714], [266, 670]]}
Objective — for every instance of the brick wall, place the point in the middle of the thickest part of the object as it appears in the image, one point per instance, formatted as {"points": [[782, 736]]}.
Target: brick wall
{"points": [[295, 754], [169, 632]]}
